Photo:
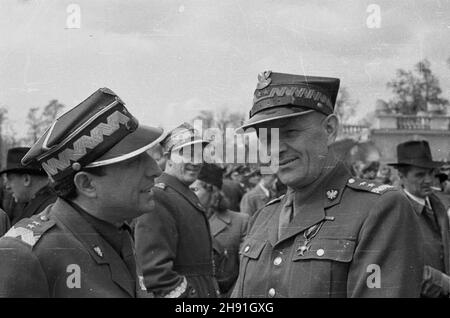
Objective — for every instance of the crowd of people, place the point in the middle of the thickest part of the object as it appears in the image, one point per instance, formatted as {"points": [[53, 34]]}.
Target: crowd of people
{"points": [[101, 206]]}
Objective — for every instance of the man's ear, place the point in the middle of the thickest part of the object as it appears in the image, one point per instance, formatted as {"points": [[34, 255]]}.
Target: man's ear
{"points": [[331, 127], [85, 184], [26, 180]]}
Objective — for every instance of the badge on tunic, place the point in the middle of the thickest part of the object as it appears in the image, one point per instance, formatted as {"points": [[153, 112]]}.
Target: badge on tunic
{"points": [[332, 194], [264, 79], [98, 251]]}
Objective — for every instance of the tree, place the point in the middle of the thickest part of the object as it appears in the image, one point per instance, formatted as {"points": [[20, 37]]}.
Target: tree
{"points": [[416, 91], [345, 108], [3, 116], [33, 121], [38, 123]]}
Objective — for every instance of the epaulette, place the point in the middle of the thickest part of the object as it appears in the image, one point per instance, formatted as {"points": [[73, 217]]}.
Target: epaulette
{"points": [[30, 230], [160, 185], [275, 200], [369, 186]]}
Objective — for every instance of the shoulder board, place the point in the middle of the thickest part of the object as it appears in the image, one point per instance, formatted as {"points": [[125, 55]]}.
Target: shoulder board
{"points": [[275, 200], [31, 229], [160, 185], [369, 186]]}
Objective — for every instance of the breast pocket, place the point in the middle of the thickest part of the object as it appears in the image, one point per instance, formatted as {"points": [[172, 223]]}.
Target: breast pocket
{"points": [[322, 268], [250, 253]]}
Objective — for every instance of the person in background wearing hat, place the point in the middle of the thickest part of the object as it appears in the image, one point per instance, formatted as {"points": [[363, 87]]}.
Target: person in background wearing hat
{"points": [[257, 197], [416, 170], [173, 242], [95, 156], [331, 235], [28, 184], [233, 187], [228, 228], [443, 192]]}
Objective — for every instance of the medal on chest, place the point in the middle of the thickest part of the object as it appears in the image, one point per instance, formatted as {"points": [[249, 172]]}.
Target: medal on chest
{"points": [[309, 234]]}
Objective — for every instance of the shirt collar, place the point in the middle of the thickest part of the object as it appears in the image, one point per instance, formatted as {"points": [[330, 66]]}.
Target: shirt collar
{"points": [[423, 202]]}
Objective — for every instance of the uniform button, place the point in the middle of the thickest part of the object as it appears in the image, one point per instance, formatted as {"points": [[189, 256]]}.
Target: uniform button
{"points": [[277, 261], [271, 292], [351, 180], [320, 252], [246, 248]]}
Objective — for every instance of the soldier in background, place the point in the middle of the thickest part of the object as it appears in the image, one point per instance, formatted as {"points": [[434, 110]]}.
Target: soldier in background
{"points": [[228, 228], [173, 241], [233, 187], [29, 185], [257, 197], [80, 246], [331, 235]]}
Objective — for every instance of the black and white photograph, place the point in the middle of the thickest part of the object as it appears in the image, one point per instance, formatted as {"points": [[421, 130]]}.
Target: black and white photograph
{"points": [[224, 150]]}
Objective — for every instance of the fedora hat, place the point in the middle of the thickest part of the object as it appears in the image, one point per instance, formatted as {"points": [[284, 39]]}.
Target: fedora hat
{"points": [[415, 153], [14, 164]]}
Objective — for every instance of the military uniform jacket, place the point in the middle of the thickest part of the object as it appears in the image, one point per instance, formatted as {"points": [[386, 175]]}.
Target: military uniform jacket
{"points": [[368, 245], [254, 200], [173, 243], [228, 229], [57, 253]]}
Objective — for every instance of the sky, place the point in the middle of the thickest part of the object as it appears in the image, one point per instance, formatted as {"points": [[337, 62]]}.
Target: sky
{"points": [[170, 59]]}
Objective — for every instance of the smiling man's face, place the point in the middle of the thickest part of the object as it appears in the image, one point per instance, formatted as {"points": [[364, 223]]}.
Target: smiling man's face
{"points": [[303, 148], [185, 165]]}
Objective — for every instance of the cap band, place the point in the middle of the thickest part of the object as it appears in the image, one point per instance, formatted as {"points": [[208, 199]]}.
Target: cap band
{"points": [[307, 96]]}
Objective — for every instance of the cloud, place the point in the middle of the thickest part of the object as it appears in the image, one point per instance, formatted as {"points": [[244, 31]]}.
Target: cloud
{"points": [[169, 59]]}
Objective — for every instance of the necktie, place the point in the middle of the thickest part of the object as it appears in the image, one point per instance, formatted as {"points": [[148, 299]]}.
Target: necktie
{"points": [[431, 219], [127, 253], [286, 214]]}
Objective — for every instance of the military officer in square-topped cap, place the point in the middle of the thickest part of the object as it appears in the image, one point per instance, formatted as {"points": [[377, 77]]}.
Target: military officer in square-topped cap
{"points": [[331, 235], [95, 156], [173, 242]]}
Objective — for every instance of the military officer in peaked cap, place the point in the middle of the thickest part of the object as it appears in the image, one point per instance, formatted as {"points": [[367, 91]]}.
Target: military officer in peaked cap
{"points": [[331, 235], [173, 242], [95, 156]]}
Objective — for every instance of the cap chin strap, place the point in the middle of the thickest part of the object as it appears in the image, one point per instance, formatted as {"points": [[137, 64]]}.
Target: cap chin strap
{"points": [[128, 155]]}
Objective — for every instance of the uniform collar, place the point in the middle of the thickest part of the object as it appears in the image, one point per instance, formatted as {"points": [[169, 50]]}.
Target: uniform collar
{"points": [[99, 249], [325, 195], [181, 188], [420, 201], [108, 231], [219, 221]]}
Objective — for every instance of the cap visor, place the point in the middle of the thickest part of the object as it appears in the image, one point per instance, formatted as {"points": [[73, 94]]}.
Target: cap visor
{"points": [[262, 118], [427, 165], [204, 142], [131, 146]]}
